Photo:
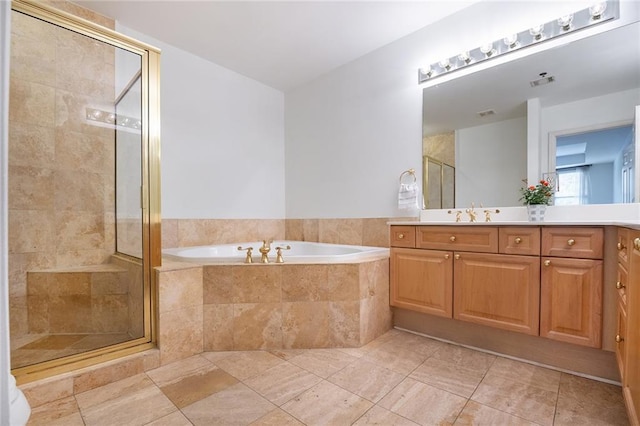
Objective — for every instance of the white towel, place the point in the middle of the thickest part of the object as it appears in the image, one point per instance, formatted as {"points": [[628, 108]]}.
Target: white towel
{"points": [[408, 195]]}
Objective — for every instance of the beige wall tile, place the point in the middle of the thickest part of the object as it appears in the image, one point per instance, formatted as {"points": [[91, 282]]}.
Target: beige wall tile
{"points": [[82, 12], [31, 145], [78, 191], [169, 233], [110, 313], [305, 325], [30, 188], [344, 324], [311, 229], [108, 372], [257, 283], [257, 326], [180, 333], [218, 327], [18, 316], [70, 314], [218, 284], [343, 282], [259, 229], [31, 102], [30, 231], [304, 283], [341, 231], [294, 230], [180, 289], [48, 390], [375, 232], [79, 230]]}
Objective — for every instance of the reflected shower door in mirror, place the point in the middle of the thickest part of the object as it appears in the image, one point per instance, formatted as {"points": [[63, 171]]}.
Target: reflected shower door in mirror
{"points": [[439, 183], [503, 117], [75, 161]]}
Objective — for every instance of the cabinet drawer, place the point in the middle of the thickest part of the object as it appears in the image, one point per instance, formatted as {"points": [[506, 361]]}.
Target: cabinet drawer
{"points": [[576, 242], [519, 240], [623, 246], [403, 236], [483, 239]]}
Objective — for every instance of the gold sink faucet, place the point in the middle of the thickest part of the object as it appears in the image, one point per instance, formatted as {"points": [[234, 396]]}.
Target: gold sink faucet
{"points": [[487, 214], [264, 250], [471, 212]]}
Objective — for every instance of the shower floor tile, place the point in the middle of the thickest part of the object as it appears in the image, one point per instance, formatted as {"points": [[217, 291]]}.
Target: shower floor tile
{"points": [[314, 387]]}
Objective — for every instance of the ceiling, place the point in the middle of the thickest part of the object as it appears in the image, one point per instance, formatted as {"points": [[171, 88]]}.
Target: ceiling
{"points": [[283, 44]]}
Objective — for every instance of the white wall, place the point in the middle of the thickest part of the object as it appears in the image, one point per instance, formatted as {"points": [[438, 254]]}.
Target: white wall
{"points": [[222, 140], [491, 162], [351, 133]]}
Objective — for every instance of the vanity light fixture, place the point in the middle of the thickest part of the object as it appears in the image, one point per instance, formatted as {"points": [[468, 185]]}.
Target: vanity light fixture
{"points": [[110, 119], [594, 15]]}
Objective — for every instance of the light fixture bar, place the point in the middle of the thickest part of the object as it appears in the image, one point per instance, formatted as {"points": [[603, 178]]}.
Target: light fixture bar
{"points": [[596, 14]]}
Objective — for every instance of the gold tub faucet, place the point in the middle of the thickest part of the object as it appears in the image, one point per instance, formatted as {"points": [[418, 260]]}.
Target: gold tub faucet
{"points": [[264, 250], [248, 258]]}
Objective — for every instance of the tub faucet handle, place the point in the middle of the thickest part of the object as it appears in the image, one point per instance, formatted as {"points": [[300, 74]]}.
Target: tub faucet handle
{"points": [[248, 258], [279, 258]]}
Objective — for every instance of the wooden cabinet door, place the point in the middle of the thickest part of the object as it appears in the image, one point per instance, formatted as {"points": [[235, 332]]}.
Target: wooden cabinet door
{"points": [[621, 338], [571, 301], [631, 381], [501, 291], [421, 280]]}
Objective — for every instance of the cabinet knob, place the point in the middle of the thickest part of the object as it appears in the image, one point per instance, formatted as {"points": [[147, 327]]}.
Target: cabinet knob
{"points": [[620, 246], [400, 236], [571, 241], [518, 240], [446, 256], [636, 243], [452, 238], [619, 338], [619, 285], [547, 262], [457, 257]]}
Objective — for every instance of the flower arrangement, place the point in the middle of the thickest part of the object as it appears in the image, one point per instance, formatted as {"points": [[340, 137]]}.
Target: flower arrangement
{"points": [[540, 193]]}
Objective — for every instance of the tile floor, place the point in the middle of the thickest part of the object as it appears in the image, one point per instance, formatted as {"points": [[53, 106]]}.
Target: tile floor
{"points": [[398, 379], [35, 348]]}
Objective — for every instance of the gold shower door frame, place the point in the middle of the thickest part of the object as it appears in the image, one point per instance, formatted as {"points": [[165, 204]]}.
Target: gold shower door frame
{"points": [[150, 191]]}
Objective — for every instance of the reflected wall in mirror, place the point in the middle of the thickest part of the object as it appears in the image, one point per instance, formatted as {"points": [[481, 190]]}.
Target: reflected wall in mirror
{"points": [[505, 123]]}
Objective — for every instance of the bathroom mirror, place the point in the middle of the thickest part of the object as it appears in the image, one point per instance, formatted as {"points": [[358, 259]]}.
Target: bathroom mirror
{"points": [[83, 192], [596, 84]]}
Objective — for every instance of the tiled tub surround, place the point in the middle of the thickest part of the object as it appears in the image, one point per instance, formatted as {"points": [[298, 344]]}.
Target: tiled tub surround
{"points": [[351, 231], [274, 306]]}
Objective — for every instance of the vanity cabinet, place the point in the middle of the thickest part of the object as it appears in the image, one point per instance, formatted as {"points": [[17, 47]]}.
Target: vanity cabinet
{"points": [[571, 286], [534, 280], [424, 279], [628, 335], [497, 290]]}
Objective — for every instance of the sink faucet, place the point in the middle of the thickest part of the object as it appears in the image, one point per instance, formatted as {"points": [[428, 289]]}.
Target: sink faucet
{"points": [[264, 250], [472, 213]]}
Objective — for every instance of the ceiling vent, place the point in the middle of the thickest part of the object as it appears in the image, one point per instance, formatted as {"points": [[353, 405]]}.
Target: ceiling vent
{"points": [[542, 81], [486, 113]]}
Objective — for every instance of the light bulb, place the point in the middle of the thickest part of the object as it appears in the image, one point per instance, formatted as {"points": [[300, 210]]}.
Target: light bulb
{"points": [[511, 41], [596, 10], [487, 49], [464, 57], [444, 63], [426, 71], [537, 32], [565, 22]]}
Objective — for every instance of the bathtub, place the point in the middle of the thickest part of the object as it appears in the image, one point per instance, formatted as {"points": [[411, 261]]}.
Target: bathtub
{"points": [[300, 252]]}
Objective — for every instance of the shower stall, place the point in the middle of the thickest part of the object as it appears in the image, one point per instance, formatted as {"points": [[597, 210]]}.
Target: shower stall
{"points": [[83, 191]]}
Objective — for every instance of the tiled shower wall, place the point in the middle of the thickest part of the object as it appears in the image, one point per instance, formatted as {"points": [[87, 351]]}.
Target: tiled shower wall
{"points": [[355, 231], [61, 170]]}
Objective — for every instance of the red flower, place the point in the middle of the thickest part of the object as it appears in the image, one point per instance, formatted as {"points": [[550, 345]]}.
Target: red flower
{"points": [[544, 182], [532, 188]]}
